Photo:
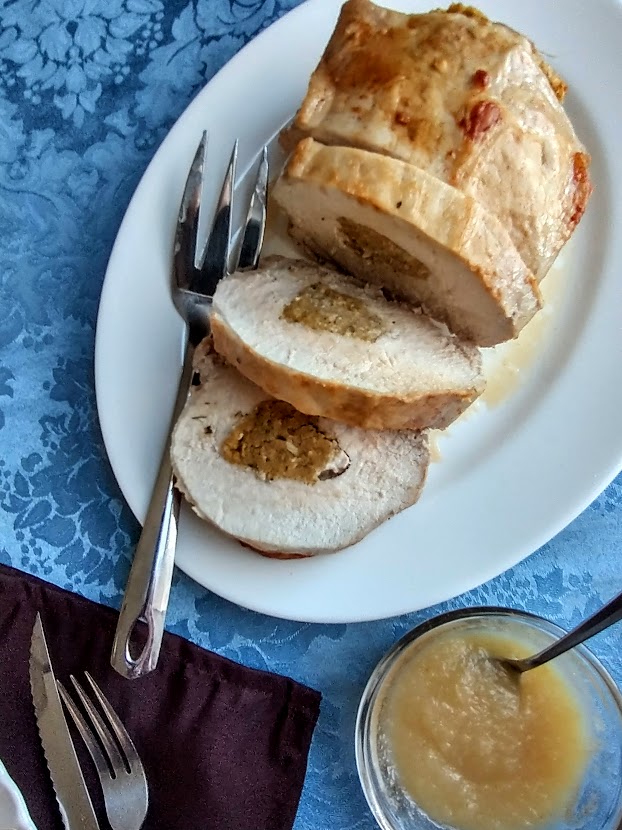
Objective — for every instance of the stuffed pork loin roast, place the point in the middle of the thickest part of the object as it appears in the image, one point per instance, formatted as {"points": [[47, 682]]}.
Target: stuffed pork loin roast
{"points": [[470, 101]]}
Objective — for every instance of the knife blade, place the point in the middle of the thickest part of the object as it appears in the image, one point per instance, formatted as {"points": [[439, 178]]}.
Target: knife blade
{"points": [[70, 789]]}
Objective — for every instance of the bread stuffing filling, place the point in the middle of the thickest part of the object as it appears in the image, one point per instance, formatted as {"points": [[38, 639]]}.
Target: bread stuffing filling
{"points": [[277, 441], [380, 252], [322, 308]]}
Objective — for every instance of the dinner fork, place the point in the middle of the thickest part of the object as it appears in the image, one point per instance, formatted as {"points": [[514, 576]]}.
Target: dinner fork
{"points": [[196, 272], [120, 770]]}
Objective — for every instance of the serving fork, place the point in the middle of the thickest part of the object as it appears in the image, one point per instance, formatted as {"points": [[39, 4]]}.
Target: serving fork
{"points": [[119, 767], [196, 271]]}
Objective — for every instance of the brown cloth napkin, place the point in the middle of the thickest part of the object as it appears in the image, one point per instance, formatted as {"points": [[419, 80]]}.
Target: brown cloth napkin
{"points": [[223, 746]]}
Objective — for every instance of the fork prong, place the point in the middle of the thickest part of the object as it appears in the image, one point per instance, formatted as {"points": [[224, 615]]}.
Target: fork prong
{"points": [[116, 761], [255, 225], [215, 262], [97, 755], [120, 732], [186, 232]]}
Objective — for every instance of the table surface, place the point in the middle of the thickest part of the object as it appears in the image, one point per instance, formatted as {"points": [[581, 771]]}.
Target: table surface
{"points": [[88, 90]]}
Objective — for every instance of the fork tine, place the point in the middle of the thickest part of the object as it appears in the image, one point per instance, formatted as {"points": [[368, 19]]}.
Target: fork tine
{"points": [[97, 755], [125, 742], [116, 761], [187, 229], [216, 259], [255, 226]]}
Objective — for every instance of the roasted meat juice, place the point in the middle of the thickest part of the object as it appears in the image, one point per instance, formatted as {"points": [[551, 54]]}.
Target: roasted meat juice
{"points": [[481, 748]]}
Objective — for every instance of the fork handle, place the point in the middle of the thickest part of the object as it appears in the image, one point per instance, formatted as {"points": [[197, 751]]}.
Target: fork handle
{"points": [[149, 582]]}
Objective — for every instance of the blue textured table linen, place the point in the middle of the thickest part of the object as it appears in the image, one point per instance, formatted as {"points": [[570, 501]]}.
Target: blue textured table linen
{"points": [[88, 90]]}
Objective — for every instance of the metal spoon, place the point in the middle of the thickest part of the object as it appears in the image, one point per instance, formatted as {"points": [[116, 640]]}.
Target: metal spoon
{"points": [[608, 615]]}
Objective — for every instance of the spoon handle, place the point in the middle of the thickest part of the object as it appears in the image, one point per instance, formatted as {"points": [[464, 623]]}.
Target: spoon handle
{"points": [[607, 615]]}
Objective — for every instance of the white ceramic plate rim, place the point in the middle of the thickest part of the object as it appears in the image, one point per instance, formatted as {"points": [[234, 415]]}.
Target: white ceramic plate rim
{"points": [[511, 478]]}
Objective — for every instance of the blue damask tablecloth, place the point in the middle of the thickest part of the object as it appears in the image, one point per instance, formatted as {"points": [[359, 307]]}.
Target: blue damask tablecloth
{"points": [[88, 89]]}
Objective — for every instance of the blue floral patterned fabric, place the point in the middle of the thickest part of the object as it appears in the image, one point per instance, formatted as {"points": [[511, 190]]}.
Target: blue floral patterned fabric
{"points": [[88, 89]]}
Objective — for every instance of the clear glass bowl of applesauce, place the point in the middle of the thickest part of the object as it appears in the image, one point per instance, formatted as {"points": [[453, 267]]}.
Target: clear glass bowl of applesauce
{"points": [[446, 738]]}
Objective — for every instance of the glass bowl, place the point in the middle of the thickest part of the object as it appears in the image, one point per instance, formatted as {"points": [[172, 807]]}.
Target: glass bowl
{"points": [[599, 802]]}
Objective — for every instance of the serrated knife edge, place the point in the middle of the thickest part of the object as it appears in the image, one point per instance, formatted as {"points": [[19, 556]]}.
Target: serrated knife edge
{"points": [[70, 789]]}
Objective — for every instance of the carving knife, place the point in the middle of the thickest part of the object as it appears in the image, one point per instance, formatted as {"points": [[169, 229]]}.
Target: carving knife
{"points": [[71, 792]]}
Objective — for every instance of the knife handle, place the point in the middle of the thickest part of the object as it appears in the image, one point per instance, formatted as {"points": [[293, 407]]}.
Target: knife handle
{"points": [[149, 582]]}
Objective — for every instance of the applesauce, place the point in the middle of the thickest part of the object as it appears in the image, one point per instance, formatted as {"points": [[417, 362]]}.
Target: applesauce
{"points": [[478, 748]]}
